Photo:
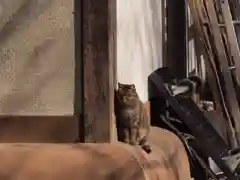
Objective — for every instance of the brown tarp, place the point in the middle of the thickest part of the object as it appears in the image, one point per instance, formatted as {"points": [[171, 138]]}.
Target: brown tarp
{"points": [[114, 161]]}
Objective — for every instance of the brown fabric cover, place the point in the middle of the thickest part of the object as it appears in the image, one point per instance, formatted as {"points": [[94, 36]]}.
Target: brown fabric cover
{"points": [[114, 161]]}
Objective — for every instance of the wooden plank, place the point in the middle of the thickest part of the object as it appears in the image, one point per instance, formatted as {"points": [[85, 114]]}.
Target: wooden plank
{"points": [[230, 97], [164, 31], [98, 71], [78, 79], [48, 129], [232, 38], [235, 9], [199, 16], [212, 76], [113, 57], [113, 38]]}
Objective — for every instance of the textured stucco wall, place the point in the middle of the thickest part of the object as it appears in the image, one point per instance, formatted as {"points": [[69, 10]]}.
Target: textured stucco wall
{"points": [[139, 40], [36, 57]]}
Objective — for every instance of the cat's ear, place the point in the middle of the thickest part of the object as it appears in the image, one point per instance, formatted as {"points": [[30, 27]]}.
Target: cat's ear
{"points": [[120, 85], [132, 86]]}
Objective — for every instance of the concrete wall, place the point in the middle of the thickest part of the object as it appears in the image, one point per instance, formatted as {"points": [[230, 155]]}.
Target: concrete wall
{"points": [[36, 57], [139, 40]]}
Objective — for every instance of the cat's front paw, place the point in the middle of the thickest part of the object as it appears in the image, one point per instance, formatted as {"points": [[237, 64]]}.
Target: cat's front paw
{"points": [[147, 148]]}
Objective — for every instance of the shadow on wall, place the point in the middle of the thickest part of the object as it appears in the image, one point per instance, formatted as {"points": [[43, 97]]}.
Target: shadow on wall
{"points": [[139, 42], [37, 57]]}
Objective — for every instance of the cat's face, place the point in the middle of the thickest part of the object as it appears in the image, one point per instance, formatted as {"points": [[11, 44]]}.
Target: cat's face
{"points": [[127, 94]]}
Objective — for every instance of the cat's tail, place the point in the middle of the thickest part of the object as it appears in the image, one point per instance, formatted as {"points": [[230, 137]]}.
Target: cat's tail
{"points": [[145, 145]]}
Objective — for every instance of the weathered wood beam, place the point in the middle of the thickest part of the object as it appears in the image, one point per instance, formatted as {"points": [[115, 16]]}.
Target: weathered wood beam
{"points": [[232, 37], [164, 32], [98, 88], [79, 69], [199, 15], [230, 94], [176, 37], [113, 38], [41, 129]]}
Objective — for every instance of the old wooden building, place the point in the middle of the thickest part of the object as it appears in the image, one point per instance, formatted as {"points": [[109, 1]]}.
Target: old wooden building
{"points": [[60, 61]]}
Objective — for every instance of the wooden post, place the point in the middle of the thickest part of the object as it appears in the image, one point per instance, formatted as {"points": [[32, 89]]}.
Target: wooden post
{"points": [[164, 39], [97, 63], [79, 70], [176, 37]]}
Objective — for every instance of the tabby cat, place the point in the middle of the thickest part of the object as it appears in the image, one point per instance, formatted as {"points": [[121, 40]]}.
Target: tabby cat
{"points": [[132, 117]]}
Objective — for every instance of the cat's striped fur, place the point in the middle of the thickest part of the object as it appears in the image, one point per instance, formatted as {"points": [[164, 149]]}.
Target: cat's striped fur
{"points": [[132, 117]]}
